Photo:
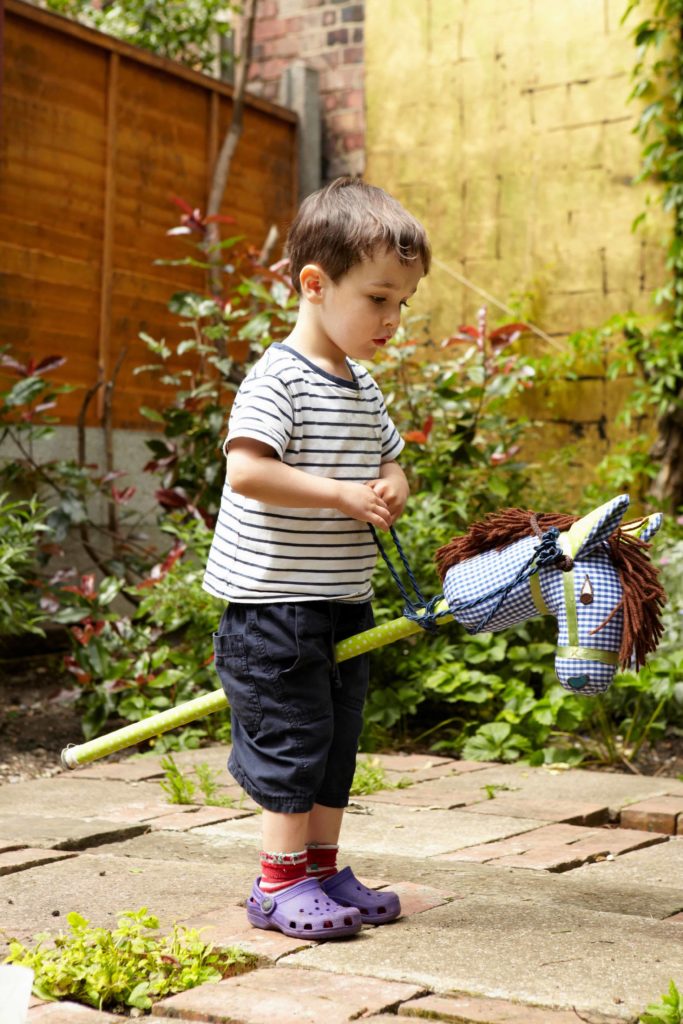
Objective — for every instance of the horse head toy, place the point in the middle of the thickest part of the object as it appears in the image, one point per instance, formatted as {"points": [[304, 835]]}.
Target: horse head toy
{"points": [[593, 574]]}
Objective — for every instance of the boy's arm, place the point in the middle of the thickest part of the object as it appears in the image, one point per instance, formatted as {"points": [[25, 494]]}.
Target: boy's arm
{"points": [[392, 487], [255, 471]]}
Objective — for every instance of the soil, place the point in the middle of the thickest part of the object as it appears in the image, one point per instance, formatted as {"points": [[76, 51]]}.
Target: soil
{"points": [[38, 719]]}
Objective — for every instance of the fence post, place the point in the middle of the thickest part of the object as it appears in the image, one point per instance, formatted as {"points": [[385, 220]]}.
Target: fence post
{"points": [[300, 91]]}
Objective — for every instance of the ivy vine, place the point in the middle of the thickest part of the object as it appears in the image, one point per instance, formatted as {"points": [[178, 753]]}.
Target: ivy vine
{"points": [[658, 84]]}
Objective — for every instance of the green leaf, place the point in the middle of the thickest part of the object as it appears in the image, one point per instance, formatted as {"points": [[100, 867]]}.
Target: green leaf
{"points": [[76, 921], [152, 414], [109, 589], [138, 997]]}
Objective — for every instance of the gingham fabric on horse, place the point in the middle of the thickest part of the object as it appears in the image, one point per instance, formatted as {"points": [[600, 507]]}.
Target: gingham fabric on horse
{"points": [[469, 580], [606, 596], [560, 591]]}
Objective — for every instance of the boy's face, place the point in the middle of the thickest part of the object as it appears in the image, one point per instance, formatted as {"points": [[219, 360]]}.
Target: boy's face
{"points": [[359, 313]]}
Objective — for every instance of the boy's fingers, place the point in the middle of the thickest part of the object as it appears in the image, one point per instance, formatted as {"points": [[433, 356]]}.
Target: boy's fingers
{"points": [[382, 517]]}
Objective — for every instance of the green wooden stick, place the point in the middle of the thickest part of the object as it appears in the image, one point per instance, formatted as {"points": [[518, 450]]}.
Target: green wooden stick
{"points": [[76, 756]]}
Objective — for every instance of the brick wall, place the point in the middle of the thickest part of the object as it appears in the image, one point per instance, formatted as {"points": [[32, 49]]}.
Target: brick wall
{"points": [[328, 36]]}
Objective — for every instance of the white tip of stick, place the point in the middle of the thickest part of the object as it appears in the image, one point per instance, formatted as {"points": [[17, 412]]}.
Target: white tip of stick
{"points": [[69, 757]]}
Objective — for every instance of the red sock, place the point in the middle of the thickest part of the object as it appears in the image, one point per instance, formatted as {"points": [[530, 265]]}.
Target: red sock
{"points": [[322, 860], [280, 870]]}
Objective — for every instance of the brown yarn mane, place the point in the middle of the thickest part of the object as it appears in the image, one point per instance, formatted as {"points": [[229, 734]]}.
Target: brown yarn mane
{"points": [[643, 595]]}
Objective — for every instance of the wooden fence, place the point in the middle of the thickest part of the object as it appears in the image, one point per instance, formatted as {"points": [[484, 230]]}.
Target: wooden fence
{"points": [[97, 137]]}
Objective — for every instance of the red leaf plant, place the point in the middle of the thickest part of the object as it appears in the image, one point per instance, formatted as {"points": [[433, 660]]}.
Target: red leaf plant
{"points": [[420, 436]]}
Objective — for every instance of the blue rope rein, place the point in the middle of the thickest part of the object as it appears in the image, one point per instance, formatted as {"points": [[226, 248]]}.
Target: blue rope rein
{"points": [[546, 553], [422, 612]]}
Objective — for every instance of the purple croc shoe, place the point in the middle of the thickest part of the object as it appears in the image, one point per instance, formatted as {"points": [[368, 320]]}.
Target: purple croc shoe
{"points": [[303, 911], [376, 906]]}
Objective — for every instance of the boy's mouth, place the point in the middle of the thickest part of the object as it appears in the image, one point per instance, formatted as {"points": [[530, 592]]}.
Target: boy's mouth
{"points": [[380, 341]]}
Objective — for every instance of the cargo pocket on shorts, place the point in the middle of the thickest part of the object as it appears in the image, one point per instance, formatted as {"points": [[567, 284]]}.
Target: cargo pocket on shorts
{"points": [[233, 671], [297, 649]]}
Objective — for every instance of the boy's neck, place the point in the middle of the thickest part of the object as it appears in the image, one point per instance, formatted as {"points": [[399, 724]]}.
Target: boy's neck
{"points": [[308, 341]]}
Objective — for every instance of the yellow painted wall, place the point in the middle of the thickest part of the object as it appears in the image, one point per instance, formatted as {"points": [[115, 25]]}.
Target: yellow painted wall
{"points": [[505, 126]]}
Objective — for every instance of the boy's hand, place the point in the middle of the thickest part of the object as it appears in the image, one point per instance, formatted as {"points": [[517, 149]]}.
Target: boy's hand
{"points": [[361, 501], [392, 488]]}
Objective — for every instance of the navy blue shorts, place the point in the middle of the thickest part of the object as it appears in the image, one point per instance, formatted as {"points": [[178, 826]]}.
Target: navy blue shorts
{"points": [[296, 714]]}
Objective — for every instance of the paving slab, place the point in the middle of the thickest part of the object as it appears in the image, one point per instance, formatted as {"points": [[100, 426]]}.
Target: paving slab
{"points": [[68, 1013], [519, 782], [633, 896], [136, 769], [557, 847], [441, 793], [530, 953], [435, 771], [416, 898], [101, 886], [659, 865], [70, 797], [418, 762], [229, 927], [59, 833], [388, 829], [177, 845], [468, 1010], [24, 858], [657, 814], [570, 812], [288, 995], [416, 769], [182, 819]]}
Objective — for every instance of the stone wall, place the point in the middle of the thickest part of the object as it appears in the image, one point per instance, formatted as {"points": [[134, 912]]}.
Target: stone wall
{"points": [[505, 125], [328, 35]]}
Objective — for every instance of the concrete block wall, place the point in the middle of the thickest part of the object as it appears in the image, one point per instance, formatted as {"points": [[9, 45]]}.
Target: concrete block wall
{"points": [[505, 126], [327, 35]]}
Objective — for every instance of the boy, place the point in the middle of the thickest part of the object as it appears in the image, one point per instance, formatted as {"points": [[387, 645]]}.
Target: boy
{"points": [[311, 457]]}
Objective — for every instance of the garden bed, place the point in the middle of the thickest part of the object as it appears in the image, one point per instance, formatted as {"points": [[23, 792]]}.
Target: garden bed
{"points": [[39, 719]]}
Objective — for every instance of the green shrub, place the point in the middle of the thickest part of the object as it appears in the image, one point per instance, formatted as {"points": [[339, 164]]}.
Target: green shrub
{"points": [[181, 789], [370, 777], [22, 529], [128, 967]]}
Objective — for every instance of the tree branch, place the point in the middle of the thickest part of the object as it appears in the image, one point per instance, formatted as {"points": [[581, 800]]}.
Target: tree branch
{"points": [[227, 151]]}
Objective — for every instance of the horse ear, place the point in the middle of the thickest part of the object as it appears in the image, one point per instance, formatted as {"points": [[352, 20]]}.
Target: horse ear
{"points": [[644, 528], [596, 527]]}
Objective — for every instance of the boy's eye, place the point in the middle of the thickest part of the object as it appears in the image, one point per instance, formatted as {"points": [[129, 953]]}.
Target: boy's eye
{"points": [[377, 298]]}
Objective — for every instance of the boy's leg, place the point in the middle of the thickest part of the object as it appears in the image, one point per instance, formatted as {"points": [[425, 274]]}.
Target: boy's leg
{"points": [[322, 843], [283, 850], [324, 825], [349, 690], [332, 797], [274, 663], [286, 832]]}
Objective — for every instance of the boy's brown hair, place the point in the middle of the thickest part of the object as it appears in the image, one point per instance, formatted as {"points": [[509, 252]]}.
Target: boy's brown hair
{"points": [[348, 221]]}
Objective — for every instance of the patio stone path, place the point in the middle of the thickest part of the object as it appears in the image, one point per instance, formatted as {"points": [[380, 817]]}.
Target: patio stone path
{"points": [[530, 895]]}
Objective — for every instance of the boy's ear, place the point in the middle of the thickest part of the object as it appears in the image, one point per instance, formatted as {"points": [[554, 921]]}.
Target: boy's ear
{"points": [[312, 280]]}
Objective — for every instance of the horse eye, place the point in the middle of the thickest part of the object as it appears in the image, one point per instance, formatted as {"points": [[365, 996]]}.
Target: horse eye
{"points": [[586, 596]]}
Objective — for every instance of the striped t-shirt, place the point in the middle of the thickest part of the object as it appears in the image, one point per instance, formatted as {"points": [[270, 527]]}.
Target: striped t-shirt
{"points": [[324, 425]]}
